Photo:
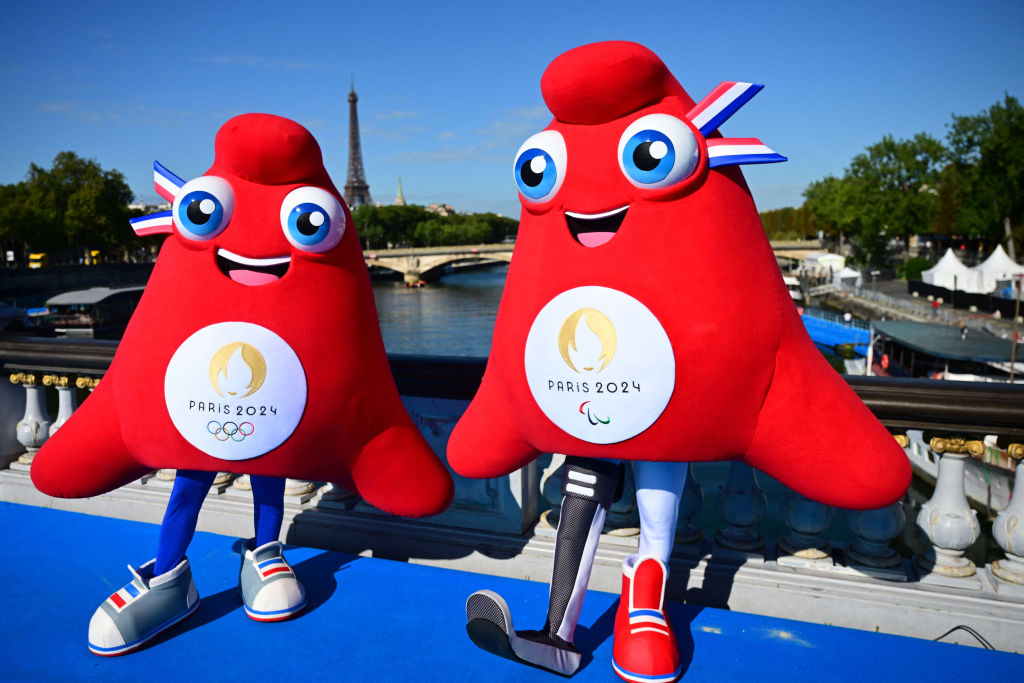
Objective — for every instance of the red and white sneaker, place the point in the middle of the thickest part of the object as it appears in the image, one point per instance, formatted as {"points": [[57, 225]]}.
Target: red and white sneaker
{"points": [[645, 649]]}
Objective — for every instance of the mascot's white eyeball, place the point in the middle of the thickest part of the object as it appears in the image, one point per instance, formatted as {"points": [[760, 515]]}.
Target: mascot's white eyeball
{"points": [[658, 150], [540, 166], [312, 219], [202, 207]]}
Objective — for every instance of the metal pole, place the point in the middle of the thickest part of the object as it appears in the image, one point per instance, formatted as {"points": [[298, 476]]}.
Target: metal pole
{"points": [[870, 356], [1016, 317]]}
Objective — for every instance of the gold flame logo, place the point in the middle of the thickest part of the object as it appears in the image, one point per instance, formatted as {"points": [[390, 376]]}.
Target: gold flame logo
{"points": [[252, 358], [598, 323]]}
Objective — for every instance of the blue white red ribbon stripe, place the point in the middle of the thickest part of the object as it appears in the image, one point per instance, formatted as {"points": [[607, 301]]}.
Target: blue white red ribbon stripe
{"points": [[153, 224], [721, 103], [124, 597], [167, 184], [648, 620], [273, 566], [730, 151]]}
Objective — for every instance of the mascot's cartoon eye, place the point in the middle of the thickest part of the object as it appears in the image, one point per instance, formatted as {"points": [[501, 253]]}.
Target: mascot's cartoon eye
{"points": [[540, 166], [313, 219], [658, 150], [202, 207]]}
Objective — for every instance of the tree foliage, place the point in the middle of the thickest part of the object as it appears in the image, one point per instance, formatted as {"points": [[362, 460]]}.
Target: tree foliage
{"points": [[70, 208], [381, 227], [972, 186], [988, 159]]}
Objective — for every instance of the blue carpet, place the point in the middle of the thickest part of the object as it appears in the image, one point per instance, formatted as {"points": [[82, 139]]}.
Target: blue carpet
{"points": [[377, 620]]}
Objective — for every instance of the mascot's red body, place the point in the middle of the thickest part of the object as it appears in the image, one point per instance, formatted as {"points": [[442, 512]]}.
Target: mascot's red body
{"points": [[748, 383], [351, 427], [645, 319]]}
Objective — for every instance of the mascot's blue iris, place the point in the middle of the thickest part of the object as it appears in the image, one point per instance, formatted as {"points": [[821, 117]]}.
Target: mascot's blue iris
{"points": [[200, 212], [536, 173], [308, 223], [648, 156]]}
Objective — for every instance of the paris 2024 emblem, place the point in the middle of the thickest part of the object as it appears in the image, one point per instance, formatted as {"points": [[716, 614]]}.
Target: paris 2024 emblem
{"points": [[599, 364], [235, 390]]}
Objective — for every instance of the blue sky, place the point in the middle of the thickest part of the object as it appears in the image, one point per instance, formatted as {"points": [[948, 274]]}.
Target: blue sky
{"points": [[448, 91]]}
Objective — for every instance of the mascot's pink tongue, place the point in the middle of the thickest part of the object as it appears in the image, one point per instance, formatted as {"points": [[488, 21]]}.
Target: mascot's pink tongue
{"points": [[251, 277], [594, 239]]}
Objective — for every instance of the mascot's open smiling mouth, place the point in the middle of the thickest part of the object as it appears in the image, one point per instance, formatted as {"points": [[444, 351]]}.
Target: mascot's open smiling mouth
{"points": [[252, 271], [595, 229]]}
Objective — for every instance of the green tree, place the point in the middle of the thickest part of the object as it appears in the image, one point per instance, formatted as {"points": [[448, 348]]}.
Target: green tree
{"points": [[72, 207], [895, 187], [988, 153]]}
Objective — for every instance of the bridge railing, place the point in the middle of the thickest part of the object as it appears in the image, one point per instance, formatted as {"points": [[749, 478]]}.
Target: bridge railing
{"points": [[862, 569]]}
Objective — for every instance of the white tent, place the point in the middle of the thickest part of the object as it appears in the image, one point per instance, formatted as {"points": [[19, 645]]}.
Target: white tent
{"points": [[821, 263], [848, 277], [998, 266], [950, 273]]}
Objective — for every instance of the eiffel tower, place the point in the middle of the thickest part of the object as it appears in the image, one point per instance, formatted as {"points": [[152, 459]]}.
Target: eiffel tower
{"points": [[357, 191]]}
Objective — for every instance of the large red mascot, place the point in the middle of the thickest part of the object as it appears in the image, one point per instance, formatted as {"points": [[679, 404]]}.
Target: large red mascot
{"points": [[645, 319], [255, 349]]}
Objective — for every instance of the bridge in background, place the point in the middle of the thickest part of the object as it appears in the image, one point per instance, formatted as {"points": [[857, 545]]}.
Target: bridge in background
{"points": [[427, 263]]}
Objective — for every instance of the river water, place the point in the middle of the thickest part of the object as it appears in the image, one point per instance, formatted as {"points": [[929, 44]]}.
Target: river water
{"points": [[452, 318]]}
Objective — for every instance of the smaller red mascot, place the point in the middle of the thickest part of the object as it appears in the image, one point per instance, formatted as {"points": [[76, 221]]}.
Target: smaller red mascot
{"points": [[255, 349], [644, 319]]}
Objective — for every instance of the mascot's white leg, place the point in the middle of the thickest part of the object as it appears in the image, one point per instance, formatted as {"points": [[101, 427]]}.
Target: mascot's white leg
{"points": [[645, 648], [588, 487]]}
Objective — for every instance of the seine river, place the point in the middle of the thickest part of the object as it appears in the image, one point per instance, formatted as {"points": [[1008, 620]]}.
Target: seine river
{"points": [[452, 318]]}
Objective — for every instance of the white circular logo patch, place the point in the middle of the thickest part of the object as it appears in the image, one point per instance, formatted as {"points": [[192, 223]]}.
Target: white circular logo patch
{"points": [[599, 364], [235, 390]]}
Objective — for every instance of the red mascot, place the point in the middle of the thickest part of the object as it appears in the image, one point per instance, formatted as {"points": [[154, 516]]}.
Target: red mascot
{"points": [[644, 319], [255, 349]]}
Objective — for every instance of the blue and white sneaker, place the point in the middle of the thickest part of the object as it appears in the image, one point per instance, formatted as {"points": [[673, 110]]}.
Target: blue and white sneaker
{"points": [[270, 590], [144, 608]]}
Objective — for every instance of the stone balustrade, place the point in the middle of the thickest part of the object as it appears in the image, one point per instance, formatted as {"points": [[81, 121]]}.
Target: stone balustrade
{"points": [[743, 540]]}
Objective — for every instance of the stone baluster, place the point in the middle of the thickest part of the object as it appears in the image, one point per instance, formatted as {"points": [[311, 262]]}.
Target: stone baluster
{"points": [[741, 502], [34, 427], [872, 553], [298, 490], [805, 546], [67, 399], [947, 520], [295, 490], [221, 482], [337, 497], [689, 539], [1008, 531], [89, 383]]}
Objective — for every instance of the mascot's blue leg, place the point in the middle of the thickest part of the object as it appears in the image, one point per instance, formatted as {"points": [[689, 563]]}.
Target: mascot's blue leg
{"points": [[179, 525], [161, 592], [270, 589], [588, 487], [268, 508]]}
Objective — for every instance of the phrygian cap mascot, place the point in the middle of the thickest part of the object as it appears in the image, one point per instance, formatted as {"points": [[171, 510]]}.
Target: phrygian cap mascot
{"points": [[256, 350], [619, 338]]}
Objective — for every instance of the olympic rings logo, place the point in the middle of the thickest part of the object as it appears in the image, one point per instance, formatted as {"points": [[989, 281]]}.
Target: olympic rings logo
{"points": [[230, 430]]}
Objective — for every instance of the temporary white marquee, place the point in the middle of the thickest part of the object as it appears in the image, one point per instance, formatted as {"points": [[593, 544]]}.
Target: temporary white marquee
{"points": [[998, 266], [950, 273]]}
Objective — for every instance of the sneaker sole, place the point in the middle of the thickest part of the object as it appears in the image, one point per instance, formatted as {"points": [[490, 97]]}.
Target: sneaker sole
{"points": [[279, 615], [645, 678], [139, 642]]}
